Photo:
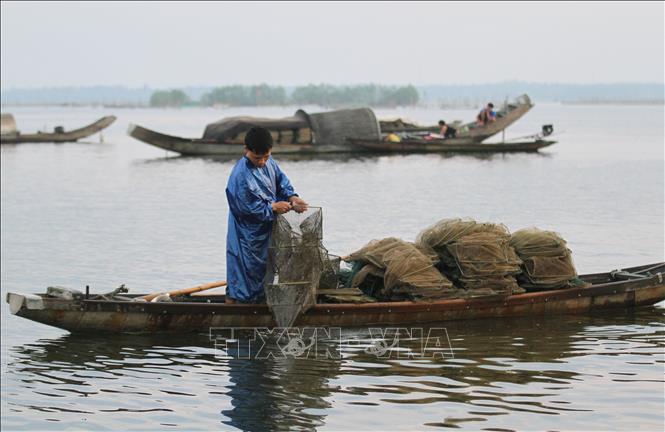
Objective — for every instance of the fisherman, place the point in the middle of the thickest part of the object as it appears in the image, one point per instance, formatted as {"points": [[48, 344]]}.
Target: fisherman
{"points": [[486, 115], [447, 131], [257, 191]]}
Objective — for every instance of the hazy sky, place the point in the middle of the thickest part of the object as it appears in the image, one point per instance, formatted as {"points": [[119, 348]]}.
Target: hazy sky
{"points": [[178, 44]]}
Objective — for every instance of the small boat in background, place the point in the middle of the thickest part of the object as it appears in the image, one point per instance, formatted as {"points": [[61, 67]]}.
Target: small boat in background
{"points": [[472, 131], [9, 134], [427, 143]]}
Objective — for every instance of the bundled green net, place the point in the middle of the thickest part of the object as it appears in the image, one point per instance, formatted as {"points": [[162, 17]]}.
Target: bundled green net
{"points": [[476, 256], [484, 263], [447, 231], [536, 242], [406, 271], [547, 261], [453, 258]]}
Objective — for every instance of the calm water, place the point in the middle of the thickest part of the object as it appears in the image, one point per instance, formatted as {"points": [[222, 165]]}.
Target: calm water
{"points": [[124, 212]]}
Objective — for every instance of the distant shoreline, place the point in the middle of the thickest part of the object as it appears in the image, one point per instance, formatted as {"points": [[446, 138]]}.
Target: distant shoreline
{"points": [[451, 96]]}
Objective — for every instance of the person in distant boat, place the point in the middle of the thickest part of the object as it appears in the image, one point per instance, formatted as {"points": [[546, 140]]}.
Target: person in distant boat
{"points": [[446, 131], [486, 115], [256, 192]]}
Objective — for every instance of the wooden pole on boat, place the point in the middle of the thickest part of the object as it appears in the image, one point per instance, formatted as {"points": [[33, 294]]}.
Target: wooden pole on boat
{"points": [[185, 291]]}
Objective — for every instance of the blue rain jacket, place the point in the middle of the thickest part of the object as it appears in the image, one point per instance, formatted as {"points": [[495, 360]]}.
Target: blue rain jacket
{"points": [[250, 193]]}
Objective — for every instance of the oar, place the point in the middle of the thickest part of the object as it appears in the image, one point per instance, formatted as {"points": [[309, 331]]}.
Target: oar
{"points": [[185, 291]]}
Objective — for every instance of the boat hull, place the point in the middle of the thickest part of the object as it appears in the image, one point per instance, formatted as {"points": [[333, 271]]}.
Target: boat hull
{"points": [[449, 146], [70, 136], [200, 147], [142, 317]]}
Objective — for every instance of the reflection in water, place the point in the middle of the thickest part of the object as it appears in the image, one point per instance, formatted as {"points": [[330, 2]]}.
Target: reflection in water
{"points": [[329, 157], [156, 374], [278, 394], [512, 373], [348, 157]]}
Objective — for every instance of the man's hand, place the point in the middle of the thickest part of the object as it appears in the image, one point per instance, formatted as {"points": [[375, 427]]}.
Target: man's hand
{"points": [[281, 207], [298, 204]]}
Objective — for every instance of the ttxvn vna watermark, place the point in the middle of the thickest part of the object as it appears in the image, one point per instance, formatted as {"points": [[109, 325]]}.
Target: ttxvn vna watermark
{"points": [[330, 342]]}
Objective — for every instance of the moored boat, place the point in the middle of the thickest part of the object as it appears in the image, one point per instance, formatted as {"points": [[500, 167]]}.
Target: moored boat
{"points": [[472, 132], [630, 287], [342, 131], [301, 133], [212, 147], [10, 135]]}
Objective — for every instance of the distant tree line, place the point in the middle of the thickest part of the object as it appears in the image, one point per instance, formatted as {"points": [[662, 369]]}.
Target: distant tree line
{"points": [[321, 94], [238, 95], [169, 98], [369, 94], [474, 95]]}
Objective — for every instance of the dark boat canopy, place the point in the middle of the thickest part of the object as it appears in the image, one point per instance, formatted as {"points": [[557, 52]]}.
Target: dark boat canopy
{"points": [[328, 128], [230, 127], [334, 127]]}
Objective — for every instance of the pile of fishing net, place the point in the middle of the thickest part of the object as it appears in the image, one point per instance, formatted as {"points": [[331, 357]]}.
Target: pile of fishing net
{"points": [[475, 256], [393, 269], [451, 259], [547, 261]]}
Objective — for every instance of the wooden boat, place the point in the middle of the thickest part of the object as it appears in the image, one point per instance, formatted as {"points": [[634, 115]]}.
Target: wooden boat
{"points": [[302, 133], [12, 136], [203, 147], [211, 147], [472, 132], [342, 131], [453, 145], [631, 287]]}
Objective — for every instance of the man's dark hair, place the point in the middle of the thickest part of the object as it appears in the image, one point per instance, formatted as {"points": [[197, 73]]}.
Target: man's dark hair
{"points": [[258, 140], [441, 123], [491, 105]]}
